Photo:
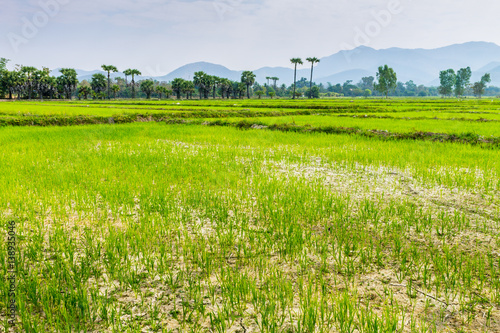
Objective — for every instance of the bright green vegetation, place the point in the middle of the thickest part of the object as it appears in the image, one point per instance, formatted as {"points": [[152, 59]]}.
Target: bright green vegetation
{"points": [[392, 125], [397, 107], [466, 116], [190, 228]]}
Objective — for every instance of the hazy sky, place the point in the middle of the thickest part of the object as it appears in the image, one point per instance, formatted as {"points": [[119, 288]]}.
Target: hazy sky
{"points": [[157, 36]]}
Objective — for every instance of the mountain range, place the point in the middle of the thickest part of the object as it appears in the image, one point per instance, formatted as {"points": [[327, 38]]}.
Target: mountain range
{"points": [[420, 65]]}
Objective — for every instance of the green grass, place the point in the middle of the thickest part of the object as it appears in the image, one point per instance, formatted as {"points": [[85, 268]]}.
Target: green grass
{"points": [[392, 125], [189, 228], [420, 106], [167, 227]]}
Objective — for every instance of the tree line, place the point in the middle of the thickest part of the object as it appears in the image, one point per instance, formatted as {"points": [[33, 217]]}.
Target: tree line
{"points": [[26, 82], [458, 83]]}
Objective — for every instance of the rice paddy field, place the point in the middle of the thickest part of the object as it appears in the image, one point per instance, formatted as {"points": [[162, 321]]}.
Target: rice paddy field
{"points": [[180, 219]]}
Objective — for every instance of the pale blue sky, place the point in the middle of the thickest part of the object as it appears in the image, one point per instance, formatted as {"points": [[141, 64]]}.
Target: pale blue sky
{"points": [[157, 36]]}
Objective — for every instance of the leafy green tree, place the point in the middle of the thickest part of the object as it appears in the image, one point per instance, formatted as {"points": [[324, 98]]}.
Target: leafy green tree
{"points": [[202, 82], [3, 73], [225, 87], [366, 83], [295, 61], [6, 84], [400, 89], [188, 88], [387, 80], [98, 84], [84, 91], [13, 80], [270, 90], [3, 64], [248, 78], [167, 92], [462, 81], [367, 93], [148, 87], [52, 89], [68, 81], [348, 88], [177, 86], [44, 83], [272, 94], [479, 87], [411, 88], [238, 89], [259, 93], [115, 88], [241, 89], [109, 69], [98, 95], [314, 92], [256, 86], [447, 80], [29, 74], [313, 61], [160, 90]]}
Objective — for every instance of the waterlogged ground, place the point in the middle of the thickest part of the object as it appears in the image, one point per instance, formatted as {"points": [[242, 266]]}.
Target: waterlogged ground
{"points": [[188, 228]]}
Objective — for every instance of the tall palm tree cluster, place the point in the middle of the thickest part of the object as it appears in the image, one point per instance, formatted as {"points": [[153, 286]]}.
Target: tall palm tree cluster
{"points": [[29, 82], [298, 61]]}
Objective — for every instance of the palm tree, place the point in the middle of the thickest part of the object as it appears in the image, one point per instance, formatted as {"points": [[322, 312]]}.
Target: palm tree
{"points": [[98, 84], [224, 86], [296, 61], [177, 86], [188, 88], [116, 89], [84, 91], [29, 74], [68, 81], [313, 61], [274, 78], [160, 91], [201, 81], [126, 73], [215, 81], [248, 78], [132, 72], [109, 69], [268, 78], [148, 87]]}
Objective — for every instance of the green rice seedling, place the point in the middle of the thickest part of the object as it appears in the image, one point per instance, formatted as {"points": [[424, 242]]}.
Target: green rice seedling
{"points": [[142, 226]]}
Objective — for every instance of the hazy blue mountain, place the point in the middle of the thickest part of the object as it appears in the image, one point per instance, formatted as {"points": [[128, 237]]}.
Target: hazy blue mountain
{"points": [[187, 72], [420, 65], [284, 74], [490, 67], [346, 75]]}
